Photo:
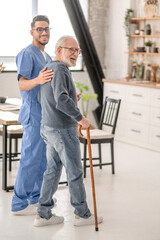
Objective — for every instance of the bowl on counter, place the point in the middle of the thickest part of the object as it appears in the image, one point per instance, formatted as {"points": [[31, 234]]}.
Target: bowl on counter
{"points": [[2, 99], [141, 49]]}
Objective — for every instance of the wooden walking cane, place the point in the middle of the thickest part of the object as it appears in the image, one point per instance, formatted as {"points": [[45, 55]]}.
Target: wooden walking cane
{"points": [[91, 171]]}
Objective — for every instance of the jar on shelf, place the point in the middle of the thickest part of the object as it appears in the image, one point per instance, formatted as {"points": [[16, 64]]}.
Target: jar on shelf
{"points": [[158, 75], [148, 29], [153, 73]]}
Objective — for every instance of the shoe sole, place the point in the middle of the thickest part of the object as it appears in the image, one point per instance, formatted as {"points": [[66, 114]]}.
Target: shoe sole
{"points": [[23, 214], [46, 224], [76, 224]]}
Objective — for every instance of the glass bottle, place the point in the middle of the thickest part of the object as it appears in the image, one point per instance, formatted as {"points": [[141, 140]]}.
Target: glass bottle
{"points": [[158, 75], [134, 68], [148, 73], [140, 71]]}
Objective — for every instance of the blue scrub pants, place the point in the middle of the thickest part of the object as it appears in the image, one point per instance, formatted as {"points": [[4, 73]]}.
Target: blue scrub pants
{"points": [[31, 168]]}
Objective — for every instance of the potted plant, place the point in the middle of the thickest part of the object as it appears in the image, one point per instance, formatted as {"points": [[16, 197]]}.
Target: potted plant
{"points": [[142, 32], [127, 23], [85, 96], [148, 45]]}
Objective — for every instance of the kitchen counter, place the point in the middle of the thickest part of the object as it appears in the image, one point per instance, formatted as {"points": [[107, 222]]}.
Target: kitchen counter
{"points": [[133, 83]]}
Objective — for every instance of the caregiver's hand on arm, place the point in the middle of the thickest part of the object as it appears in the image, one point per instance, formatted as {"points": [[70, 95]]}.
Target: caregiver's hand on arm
{"points": [[43, 77]]}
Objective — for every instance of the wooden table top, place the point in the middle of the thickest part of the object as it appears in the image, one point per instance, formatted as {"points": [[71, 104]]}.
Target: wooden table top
{"points": [[9, 118]]}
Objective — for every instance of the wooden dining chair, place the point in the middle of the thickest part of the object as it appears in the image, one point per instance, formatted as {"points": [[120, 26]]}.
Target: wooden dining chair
{"points": [[14, 132], [104, 134]]}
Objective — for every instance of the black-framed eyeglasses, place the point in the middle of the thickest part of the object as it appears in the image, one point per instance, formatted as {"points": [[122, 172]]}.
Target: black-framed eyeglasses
{"points": [[40, 29], [73, 50]]}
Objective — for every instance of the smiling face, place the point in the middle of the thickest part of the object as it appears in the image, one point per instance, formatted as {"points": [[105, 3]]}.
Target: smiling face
{"points": [[68, 56], [40, 39]]}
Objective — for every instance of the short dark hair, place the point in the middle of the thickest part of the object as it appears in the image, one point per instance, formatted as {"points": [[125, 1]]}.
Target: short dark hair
{"points": [[39, 18]]}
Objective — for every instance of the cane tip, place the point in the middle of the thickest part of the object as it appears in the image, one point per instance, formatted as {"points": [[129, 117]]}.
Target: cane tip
{"points": [[96, 229]]}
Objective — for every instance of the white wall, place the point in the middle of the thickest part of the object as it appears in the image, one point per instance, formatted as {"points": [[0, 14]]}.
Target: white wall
{"points": [[116, 61], [9, 85]]}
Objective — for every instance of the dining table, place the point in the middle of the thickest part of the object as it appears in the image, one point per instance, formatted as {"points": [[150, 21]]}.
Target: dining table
{"points": [[9, 113]]}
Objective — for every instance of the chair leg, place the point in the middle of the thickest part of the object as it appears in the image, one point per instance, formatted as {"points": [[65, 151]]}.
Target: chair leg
{"points": [[84, 159], [112, 156], [10, 154], [16, 147], [100, 156]]}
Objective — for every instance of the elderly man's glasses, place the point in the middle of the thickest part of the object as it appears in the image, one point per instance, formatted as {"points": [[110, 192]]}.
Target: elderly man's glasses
{"points": [[40, 29], [73, 50]]}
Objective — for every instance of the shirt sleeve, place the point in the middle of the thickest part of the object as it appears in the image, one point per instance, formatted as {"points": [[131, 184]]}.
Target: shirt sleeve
{"points": [[24, 63], [61, 87]]}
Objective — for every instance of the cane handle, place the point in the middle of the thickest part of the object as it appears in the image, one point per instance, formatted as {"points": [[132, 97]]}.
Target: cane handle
{"points": [[79, 130]]}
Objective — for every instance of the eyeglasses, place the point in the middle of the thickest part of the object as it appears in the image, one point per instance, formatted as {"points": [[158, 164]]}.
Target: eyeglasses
{"points": [[73, 50], [40, 29]]}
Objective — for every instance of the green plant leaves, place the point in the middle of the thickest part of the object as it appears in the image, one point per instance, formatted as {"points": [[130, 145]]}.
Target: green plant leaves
{"points": [[81, 86], [87, 97]]}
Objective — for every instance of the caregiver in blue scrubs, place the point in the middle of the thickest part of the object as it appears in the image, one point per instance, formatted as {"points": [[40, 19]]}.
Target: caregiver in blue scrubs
{"points": [[32, 73]]}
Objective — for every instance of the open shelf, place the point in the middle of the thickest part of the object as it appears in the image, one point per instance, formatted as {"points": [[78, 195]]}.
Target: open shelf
{"points": [[145, 18], [145, 36], [143, 53]]}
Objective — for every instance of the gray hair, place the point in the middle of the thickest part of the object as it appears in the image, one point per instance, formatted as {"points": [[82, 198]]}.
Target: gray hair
{"points": [[62, 42]]}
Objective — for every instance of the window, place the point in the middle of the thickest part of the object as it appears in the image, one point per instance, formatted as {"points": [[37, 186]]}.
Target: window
{"points": [[15, 18], [16, 28]]}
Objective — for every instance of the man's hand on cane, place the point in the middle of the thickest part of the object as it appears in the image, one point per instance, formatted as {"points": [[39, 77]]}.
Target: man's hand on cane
{"points": [[85, 123]]}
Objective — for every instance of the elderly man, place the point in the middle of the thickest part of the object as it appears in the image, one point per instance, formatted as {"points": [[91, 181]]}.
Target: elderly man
{"points": [[60, 115]]}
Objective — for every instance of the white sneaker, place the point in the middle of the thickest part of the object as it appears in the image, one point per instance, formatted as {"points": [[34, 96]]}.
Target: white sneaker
{"points": [[29, 210], [54, 199], [79, 221], [40, 222]]}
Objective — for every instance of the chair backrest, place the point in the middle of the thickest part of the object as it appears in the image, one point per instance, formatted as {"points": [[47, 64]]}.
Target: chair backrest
{"points": [[110, 113]]}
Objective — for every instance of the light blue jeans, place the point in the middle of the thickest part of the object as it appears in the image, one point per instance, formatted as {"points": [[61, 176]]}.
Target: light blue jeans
{"points": [[63, 149]]}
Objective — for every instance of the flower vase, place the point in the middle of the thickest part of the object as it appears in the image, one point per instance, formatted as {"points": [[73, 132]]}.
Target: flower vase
{"points": [[150, 10], [138, 72]]}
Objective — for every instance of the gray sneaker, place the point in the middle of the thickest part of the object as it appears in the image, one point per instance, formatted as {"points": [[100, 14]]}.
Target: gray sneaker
{"points": [[40, 222], [79, 221]]}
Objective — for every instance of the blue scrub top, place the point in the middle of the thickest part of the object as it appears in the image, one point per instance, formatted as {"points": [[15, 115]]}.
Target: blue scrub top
{"points": [[30, 62]]}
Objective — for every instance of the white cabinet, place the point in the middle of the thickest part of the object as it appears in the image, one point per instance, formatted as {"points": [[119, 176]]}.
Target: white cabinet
{"points": [[154, 136], [139, 117], [137, 113], [155, 97]]}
